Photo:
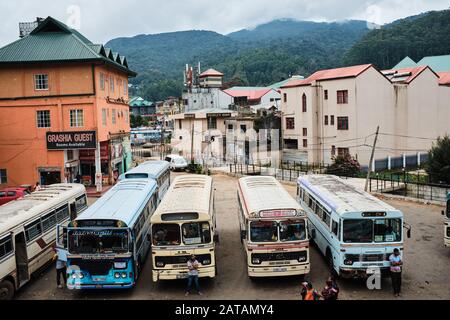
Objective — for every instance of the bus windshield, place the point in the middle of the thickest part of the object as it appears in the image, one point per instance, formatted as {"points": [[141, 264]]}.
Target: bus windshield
{"points": [[85, 241], [166, 234], [372, 230], [263, 231], [196, 233], [291, 230]]}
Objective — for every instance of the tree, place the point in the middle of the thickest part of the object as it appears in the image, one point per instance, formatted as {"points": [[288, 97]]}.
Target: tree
{"points": [[344, 165], [438, 166]]}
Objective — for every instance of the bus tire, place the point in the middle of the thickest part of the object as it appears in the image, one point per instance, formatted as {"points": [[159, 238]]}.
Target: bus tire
{"points": [[330, 262], [7, 290], [138, 268]]}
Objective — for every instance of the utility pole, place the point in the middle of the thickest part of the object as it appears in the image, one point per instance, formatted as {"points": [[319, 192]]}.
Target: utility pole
{"points": [[162, 137], [371, 158], [192, 144]]}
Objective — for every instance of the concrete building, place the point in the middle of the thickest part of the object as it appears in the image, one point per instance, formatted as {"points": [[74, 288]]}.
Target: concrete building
{"points": [[63, 109], [254, 97], [141, 107], [337, 111]]}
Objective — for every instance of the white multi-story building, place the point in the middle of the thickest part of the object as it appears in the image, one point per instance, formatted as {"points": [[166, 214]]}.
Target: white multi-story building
{"points": [[337, 111]]}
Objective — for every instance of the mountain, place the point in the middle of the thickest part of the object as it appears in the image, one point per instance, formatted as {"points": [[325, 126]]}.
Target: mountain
{"points": [[260, 56], [417, 36]]}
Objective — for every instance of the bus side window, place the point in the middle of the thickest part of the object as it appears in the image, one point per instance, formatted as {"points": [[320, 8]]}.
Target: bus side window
{"points": [[335, 228]]}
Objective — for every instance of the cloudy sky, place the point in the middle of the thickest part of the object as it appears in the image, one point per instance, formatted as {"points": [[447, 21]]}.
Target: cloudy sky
{"points": [[101, 21]]}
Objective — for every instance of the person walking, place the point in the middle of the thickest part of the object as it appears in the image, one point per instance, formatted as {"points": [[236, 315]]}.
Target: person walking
{"points": [[61, 266], [192, 265], [37, 186], [396, 271]]}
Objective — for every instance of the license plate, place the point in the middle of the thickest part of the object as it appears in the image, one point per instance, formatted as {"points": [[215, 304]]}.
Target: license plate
{"points": [[279, 269], [99, 278], [181, 276]]}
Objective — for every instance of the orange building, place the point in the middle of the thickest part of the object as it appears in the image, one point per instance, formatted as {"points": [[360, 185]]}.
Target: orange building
{"points": [[64, 112]]}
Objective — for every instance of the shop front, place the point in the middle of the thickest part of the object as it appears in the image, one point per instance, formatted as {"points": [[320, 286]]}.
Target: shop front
{"points": [[87, 164]]}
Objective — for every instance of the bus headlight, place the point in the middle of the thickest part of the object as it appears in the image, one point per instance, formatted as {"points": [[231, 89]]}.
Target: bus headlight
{"points": [[256, 261], [206, 261], [160, 264], [301, 259]]}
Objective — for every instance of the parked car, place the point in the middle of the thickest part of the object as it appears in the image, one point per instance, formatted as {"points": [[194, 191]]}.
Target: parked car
{"points": [[176, 162], [10, 194]]}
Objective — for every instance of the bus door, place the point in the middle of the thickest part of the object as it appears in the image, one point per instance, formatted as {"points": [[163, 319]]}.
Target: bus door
{"points": [[23, 274], [61, 236]]}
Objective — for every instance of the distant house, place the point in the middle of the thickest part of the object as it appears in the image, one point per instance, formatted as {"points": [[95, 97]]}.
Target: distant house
{"points": [[141, 107], [254, 97]]}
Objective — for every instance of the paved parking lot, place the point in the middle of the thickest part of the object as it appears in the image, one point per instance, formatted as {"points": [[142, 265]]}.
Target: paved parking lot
{"points": [[426, 273]]}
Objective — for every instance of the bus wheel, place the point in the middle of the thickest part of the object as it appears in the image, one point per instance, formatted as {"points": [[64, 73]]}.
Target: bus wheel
{"points": [[330, 262], [6, 290]]}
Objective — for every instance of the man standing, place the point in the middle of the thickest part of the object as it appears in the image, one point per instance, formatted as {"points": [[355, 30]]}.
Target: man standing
{"points": [[396, 271], [192, 265], [61, 267]]}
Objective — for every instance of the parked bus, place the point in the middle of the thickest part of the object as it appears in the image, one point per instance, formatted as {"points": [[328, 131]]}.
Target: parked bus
{"points": [[185, 224], [355, 231], [446, 213], [108, 242], [156, 170], [273, 229], [28, 231]]}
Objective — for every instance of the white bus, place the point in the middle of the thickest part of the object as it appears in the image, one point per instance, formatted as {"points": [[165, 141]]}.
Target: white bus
{"points": [[28, 231], [273, 228], [446, 213], [108, 242], [185, 224], [355, 231], [153, 169]]}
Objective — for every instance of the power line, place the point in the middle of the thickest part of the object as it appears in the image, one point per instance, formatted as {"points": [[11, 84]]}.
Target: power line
{"points": [[405, 136]]}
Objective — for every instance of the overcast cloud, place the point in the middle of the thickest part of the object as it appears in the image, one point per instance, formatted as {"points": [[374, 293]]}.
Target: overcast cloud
{"points": [[101, 21]]}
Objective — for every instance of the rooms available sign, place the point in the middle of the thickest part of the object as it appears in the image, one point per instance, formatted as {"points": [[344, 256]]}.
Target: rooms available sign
{"points": [[71, 140]]}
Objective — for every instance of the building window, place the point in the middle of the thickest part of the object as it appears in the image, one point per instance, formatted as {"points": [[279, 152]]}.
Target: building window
{"points": [[285, 97], [326, 120], [305, 132], [291, 144], [76, 118], [180, 124], [113, 116], [41, 81], [111, 83], [102, 81], [230, 128], [325, 93], [332, 120], [104, 117], [305, 143], [342, 123], [43, 118], [243, 128], [212, 123], [342, 96], [125, 87], [343, 151], [69, 155], [333, 151], [290, 123], [304, 107], [3, 176]]}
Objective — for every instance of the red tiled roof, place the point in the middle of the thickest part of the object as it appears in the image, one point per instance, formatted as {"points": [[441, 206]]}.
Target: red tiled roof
{"points": [[444, 78], [211, 73], [329, 74], [250, 94]]}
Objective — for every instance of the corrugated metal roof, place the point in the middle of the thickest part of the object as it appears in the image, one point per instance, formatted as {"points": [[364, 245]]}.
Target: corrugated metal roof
{"points": [[444, 78], [437, 63], [407, 62], [53, 41], [404, 75], [251, 94], [211, 72]]}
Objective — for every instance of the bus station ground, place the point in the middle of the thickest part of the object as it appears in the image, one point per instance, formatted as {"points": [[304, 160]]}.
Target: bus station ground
{"points": [[426, 265]]}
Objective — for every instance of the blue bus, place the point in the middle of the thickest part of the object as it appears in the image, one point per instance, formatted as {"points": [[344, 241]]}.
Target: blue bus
{"points": [[355, 231], [109, 241], [152, 169]]}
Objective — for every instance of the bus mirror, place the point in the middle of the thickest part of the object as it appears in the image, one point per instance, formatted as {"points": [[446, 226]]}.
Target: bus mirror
{"points": [[313, 234], [149, 237], [243, 234], [408, 233], [443, 213], [216, 238]]}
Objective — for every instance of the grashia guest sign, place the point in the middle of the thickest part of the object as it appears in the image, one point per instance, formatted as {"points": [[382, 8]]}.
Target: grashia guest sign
{"points": [[71, 140]]}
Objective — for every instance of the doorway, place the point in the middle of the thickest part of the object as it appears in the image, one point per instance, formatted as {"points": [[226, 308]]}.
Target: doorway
{"points": [[50, 177], [21, 259]]}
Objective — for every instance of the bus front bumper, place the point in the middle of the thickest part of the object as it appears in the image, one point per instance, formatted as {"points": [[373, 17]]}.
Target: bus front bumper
{"points": [[447, 242], [90, 286], [278, 271], [349, 273], [173, 274]]}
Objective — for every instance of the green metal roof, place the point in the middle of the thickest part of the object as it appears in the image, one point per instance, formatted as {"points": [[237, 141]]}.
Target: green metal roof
{"points": [[407, 62], [139, 102], [278, 85], [437, 63], [53, 41]]}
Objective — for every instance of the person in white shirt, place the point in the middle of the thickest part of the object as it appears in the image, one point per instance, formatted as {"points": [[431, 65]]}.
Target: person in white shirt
{"points": [[396, 271], [192, 265]]}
